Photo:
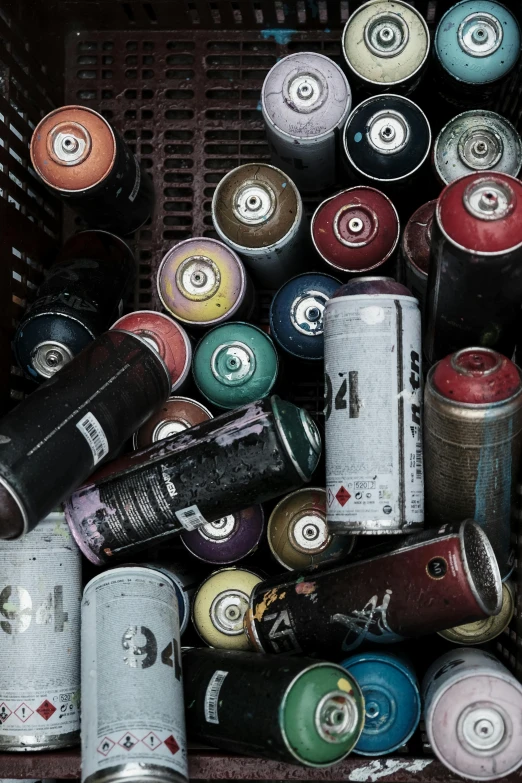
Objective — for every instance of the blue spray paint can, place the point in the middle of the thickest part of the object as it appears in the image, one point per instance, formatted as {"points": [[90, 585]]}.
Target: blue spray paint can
{"points": [[391, 698]]}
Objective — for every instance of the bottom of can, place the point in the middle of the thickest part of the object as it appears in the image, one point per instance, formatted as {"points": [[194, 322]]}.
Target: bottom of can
{"points": [[35, 744], [136, 773]]}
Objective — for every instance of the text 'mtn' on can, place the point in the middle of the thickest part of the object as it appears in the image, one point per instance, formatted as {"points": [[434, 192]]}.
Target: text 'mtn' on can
{"points": [[473, 443], [373, 399], [175, 415], [257, 210], [296, 315], [476, 140], [234, 364], [418, 586], [72, 422], [386, 140], [386, 45], [85, 161], [78, 300], [202, 282], [219, 606], [245, 456], [168, 339], [476, 45], [356, 230], [133, 722], [473, 714], [475, 275], [415, 251], [40, 595], [298, 533], [300, 710], [392, 702], [305, 101], [228, 539], [483, 631]]}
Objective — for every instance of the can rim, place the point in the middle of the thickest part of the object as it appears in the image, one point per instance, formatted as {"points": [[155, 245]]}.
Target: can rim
{"points": [[109, 233], [276, 507], [355, 297], [63, 315], [429, 387], [471, 573], [154, 353], [124, 567], [172, 398], [286, 443]]}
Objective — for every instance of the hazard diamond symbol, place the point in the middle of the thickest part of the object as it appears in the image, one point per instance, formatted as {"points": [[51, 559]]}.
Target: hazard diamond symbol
{"points": [[105, 746], [5, 712], [128, 741], [46, 709], [23, 712], [331, 497], [343, 496], [172, 745], [151, 740]]}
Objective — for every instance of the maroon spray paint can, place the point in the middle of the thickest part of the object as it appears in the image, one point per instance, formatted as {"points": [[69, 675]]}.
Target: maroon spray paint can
{"points": [[415, 251]]}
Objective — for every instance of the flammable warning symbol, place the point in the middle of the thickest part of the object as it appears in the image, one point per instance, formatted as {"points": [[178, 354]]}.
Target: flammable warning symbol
{"points": [[46, 709], [343, 496], [105, 746], [5, 712], [172, 745]]}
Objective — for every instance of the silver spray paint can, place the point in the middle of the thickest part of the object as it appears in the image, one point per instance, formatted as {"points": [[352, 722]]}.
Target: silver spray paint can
{"points": [[133, 723], [40, 595], [373, 388]]}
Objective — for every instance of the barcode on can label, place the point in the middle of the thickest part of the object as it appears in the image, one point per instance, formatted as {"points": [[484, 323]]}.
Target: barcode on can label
{"points": [[93, 433], [212, 696], [137, 182], [191, 517], [418, 461]]}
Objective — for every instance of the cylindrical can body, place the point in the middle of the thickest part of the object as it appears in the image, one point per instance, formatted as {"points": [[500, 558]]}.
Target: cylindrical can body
{"points": [[305, 101], [79, 299], [419, 586], [176, 415], [202, 282], [186, 578], [386, 45], [415, 251], [257, 210], [40, 595], [475, 276], [299, 535], [473, 444], [373, 381], [391, 701], [483, 631], [228, 539], [245, 456], [81, 157], [133, 724], [73, 421], [473, 714], [299, 710]]}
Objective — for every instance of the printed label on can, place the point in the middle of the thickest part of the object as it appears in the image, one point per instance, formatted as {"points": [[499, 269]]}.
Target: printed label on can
{"points": [[191, 517], [137, 181], [93, 433], [212, 696]]}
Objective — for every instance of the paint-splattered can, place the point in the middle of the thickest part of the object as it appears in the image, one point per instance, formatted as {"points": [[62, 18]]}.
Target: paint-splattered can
{"points": [[219, 607], [299, 710], [357, 230], [476, 45], [40, 595], [133, 723], [228, 539], [78, 300], [234, 364], [176, 415], [473, 443], [386, 46], [246, 456], [475, 276], [77, 418], [392, 702], [202, 282], [419, 586], [473, 714], [415, 251], [168, 339], [258, 211], [305, 101], [83, 159], [298, 533], [483, 631], [373, 391]]}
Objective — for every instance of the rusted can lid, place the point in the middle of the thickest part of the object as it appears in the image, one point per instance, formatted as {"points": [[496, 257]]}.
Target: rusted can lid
{"points": [[372, 286], [476, 376], [416, 239]]}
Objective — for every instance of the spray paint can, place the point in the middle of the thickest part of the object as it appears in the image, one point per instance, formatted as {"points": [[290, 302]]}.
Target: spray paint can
{"points": [[83, 414], [245, 456], [40, 595], [305, 101], [373, 391], [202, 282], [234, 364], [78, 300], [176, 415], [357, 230], [419, 586], [415, 251], [475, 278], [228, 539], [473, 714], [186, 578], [300, 710], [476, 45], [132, 696], [168, 339], [85, 161], [483, 631], [257, 210], [386, 46], [298, 533], [473, 442], [391, 701]]}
